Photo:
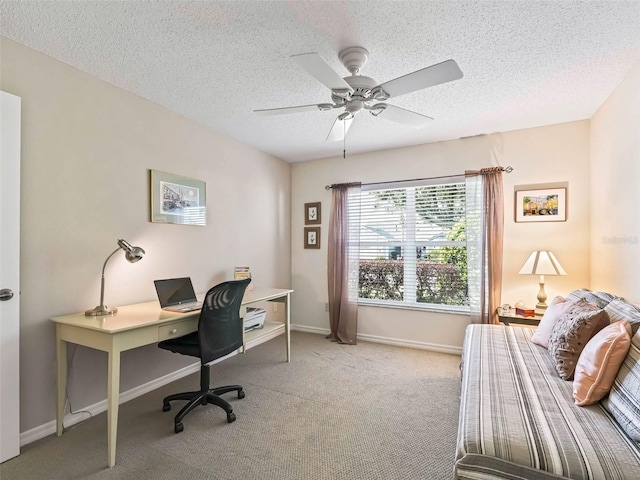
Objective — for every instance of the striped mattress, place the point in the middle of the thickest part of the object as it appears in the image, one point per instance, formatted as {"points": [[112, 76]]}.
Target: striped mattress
{"points": [[518, 419]]}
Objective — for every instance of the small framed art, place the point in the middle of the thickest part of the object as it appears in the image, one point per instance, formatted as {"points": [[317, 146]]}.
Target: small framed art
{"points": [[312, 213], [543, 205], [176, 199], [311, 237]]}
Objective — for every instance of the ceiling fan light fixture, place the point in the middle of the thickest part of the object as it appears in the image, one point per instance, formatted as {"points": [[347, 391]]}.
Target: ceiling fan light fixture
{"points": [[341, 92], [377, 109], [379, 94], [354, 106]]}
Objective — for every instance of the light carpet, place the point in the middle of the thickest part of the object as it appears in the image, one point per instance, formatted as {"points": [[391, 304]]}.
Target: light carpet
{"points": [[363, 412]]}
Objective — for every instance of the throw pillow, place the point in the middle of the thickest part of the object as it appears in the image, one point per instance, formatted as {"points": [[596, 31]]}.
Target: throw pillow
{"points": [[579, 322], [601, 299], [577, 294], [623, 402], [548, 321], [620, 309], [600, 361]]}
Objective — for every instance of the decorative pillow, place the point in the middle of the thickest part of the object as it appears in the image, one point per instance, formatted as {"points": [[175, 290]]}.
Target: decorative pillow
{"points": [[579, 294], [620, 309], [623, 402], [601, 299], [600, 361], [548, 321], [579, 322]]}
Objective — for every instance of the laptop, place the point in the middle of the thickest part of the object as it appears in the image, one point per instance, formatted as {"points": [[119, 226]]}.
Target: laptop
{"points": [[177, 295]]}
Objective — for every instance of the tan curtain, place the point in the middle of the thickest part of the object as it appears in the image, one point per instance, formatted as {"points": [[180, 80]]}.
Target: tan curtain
{"points": [[485, 231], [343, 263]]}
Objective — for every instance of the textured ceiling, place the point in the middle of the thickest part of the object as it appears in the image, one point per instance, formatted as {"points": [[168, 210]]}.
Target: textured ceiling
{"points": [[525, 63]]}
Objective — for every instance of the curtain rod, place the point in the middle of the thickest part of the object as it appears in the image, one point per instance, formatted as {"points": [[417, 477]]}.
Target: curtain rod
{"points": [[503, 169]]}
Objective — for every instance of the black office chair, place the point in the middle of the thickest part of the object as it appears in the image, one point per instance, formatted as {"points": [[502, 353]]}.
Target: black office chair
{"points": [[219, 333]]}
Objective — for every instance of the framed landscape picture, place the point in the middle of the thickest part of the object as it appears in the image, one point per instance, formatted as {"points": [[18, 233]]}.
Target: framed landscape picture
{"points": [[176, 199], [543, 205]]}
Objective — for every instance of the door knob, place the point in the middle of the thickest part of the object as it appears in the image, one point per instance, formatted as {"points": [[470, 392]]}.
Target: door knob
{"points": [[5, 294]]}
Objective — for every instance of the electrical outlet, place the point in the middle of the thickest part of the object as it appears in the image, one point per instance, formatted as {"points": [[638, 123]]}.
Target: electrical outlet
{"points": [[275, 307], [326, 307]]}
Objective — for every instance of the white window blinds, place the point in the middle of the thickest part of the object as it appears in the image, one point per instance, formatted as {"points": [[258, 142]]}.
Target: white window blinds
{"points": [[412, 245]]}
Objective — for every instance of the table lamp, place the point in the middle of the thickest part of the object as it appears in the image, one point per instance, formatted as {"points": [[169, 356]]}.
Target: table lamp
{"points": [[132, 254], [542, 262]]}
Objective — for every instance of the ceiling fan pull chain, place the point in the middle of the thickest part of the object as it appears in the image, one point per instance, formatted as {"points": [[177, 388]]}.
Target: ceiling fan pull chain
{"points": [[344, 139]]}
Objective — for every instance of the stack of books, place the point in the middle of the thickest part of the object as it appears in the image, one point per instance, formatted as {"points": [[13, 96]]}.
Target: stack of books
{"points": [[254, 318], [240, 273]]}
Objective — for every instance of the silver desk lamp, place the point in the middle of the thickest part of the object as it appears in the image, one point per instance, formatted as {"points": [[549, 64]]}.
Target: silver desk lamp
{"points": [[132, 254]]}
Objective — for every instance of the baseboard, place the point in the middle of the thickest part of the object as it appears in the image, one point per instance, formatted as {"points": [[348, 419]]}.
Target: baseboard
{"points": [[435, 347], [71, 419], [305, 328]]}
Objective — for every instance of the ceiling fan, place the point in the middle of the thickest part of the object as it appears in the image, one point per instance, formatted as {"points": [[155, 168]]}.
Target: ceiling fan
{"points": [[357, 92]]}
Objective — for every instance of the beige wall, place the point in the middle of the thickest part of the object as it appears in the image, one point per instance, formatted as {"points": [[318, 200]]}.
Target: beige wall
{"points": [[552, 154], [615, 191], [87, 148]]}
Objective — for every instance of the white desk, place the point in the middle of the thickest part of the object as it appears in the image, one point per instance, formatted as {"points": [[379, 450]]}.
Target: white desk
{"points": [[144, 324]]}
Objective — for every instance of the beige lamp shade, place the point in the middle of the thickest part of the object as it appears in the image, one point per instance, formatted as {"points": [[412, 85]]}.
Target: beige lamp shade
{"points": [[542, 262]]}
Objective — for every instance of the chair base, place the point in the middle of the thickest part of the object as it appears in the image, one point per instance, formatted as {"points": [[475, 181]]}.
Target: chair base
{"points": [[204, 396]]}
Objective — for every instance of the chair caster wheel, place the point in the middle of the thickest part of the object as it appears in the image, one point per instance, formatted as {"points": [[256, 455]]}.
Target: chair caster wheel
{"points": [[178, 427], [241, 394], [231, 417], [166, 407]]}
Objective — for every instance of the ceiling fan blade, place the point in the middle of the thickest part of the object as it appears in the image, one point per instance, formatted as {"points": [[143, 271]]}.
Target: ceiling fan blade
{"points": [[405, 117], [427, 77], [315, 66], [285, 110], [339, 129]]}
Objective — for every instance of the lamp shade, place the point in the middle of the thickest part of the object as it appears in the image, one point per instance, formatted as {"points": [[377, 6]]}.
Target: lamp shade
{"points": [[542, 262], [131, 253]]}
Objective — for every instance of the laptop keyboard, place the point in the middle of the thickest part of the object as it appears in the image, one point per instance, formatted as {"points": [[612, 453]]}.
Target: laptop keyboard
{"points": [[187, 307], [191, 307]]}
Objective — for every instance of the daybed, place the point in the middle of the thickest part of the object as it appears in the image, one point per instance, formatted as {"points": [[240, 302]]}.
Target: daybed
{"points": [[518, 419]]}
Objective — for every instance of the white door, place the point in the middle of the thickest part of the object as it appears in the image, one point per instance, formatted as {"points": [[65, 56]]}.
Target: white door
{"points": [[9, 276]]}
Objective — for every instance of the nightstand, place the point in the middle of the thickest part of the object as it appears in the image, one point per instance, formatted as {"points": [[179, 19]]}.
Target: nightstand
{"points": [[511, 317]]}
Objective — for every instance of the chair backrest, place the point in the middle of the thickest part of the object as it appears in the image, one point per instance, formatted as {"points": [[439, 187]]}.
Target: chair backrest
{"points": [[220, 327]]}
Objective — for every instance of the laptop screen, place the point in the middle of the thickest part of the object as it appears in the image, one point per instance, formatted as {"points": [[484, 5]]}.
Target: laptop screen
{"points": [[175, 291]]}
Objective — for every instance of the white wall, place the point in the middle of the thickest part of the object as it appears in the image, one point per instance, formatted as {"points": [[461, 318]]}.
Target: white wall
{"points": [[86, 152], [545, 155], [615, 191]]}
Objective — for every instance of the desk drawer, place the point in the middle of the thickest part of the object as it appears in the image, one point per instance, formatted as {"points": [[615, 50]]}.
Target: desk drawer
{"points": [[178, 329]]}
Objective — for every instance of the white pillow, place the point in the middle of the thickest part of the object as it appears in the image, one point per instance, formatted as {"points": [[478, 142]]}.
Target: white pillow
{"points": [[548, 321]]}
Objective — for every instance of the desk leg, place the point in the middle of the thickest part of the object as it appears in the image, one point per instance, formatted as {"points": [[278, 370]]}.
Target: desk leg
{"points": [[61, 380], [287, 327], [243, 313], [113, 397]]}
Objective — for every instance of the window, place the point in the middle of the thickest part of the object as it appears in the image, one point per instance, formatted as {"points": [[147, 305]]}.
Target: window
{"points": [[413, 246]]}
